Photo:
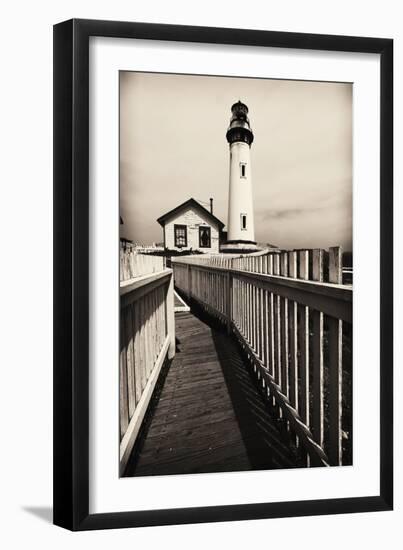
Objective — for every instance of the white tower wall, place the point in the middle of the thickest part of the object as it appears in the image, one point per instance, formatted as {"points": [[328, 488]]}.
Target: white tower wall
{"points": [[240, 205]]}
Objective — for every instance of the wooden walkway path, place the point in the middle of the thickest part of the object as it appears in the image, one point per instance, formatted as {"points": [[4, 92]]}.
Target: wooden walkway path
{"points": [[207, 414]]}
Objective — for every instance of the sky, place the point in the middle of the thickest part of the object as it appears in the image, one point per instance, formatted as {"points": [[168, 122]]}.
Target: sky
{"points": [[173, 147]]}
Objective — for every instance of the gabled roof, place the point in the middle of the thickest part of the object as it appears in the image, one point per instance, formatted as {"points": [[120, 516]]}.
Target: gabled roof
{"points": [[187, 204]]}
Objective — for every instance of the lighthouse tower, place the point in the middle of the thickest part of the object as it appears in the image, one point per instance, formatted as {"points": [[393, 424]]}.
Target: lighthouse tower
{"points": [[241, 230]]}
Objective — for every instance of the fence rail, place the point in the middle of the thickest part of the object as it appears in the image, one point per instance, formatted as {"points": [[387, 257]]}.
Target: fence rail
{"points": [[134, 264], [147, 337], [292, 316]]}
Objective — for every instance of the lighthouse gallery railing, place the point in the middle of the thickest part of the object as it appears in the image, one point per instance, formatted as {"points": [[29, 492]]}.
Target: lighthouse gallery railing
{"points": [[295, 329]]}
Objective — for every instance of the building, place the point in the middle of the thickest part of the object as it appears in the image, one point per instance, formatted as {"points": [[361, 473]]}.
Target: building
{"points": [[191, 227], [241, 229]]}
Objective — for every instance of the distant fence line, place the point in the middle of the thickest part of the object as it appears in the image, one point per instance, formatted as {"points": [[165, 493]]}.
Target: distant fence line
{"points": [[134, 264], [288, 311]]}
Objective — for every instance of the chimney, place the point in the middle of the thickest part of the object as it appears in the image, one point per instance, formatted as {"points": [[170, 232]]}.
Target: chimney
{"points": [[211, 205]]}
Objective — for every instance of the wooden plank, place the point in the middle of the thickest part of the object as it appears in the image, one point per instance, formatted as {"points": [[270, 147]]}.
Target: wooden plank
{"points": [[237, 301], [277, 328], [170, 317], [243, 308], [234, 300], [152, 330], [218, 422], [123, 396], [155, 326], [252, 311], [287, 287], [229, 304], [303, 338], [335, 265], [265, 320], [263, 326], [143, 359], [333, 300], [317, 356], [179, 303], [271, 327], [130, 365], [133, 289], [254, 316], [151, 333], [248, 311], [147, 327], [136, 348], [260, 319], [164, 320], [189, 281], [293, 331], [157, 321], [257, 319], [335, 366], [284, 329], [335, 391], [244, 301], [132, 430]]}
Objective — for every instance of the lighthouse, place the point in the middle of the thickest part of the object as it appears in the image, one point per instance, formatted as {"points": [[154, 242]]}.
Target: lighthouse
{"points": [[241, 229]]}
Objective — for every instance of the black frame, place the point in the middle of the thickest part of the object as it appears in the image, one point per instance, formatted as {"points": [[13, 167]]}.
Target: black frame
{"points": [[71, 274], [180, 226], [203, 228]]}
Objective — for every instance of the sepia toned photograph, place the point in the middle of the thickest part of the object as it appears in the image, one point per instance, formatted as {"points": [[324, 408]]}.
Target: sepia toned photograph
{"points": [[236, 274]]}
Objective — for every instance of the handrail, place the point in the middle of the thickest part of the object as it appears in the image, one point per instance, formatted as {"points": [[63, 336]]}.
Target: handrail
{"points": [[136, 264], [289, 321], [338, 291], [332, 299], [147, 338], [134, 289], [139, 282]]}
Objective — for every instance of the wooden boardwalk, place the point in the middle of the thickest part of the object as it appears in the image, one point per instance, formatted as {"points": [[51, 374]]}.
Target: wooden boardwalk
{"points": [[207, 414]]}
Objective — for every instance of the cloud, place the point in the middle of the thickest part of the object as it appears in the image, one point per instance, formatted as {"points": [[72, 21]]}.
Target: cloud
{"points": [[286, 213]]}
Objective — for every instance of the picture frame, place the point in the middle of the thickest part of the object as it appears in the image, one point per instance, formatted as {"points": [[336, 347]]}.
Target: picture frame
{"points": [[72, 274]]}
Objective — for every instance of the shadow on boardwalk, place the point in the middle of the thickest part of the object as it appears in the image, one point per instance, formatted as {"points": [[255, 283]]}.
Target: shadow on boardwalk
{"points": [[207, 414]]}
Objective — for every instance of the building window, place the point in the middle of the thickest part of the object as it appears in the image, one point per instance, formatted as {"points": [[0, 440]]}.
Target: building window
{"points": [[204, 237], [181, 236], [243, 169], [243, 222]]}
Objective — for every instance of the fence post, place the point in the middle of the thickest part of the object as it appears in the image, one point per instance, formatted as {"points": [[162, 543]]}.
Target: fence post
{"points": [[317, 356], [189, 280], [171, 317], [335, 366], [229, 302]]}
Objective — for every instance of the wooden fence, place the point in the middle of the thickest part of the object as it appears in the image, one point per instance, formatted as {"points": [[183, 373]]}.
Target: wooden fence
{"points": [[288, 309], [147, 337], [133, 264]]}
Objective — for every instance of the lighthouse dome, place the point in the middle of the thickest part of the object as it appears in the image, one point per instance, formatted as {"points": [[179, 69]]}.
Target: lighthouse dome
{"points": [[239, 128], [240, 108]]}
